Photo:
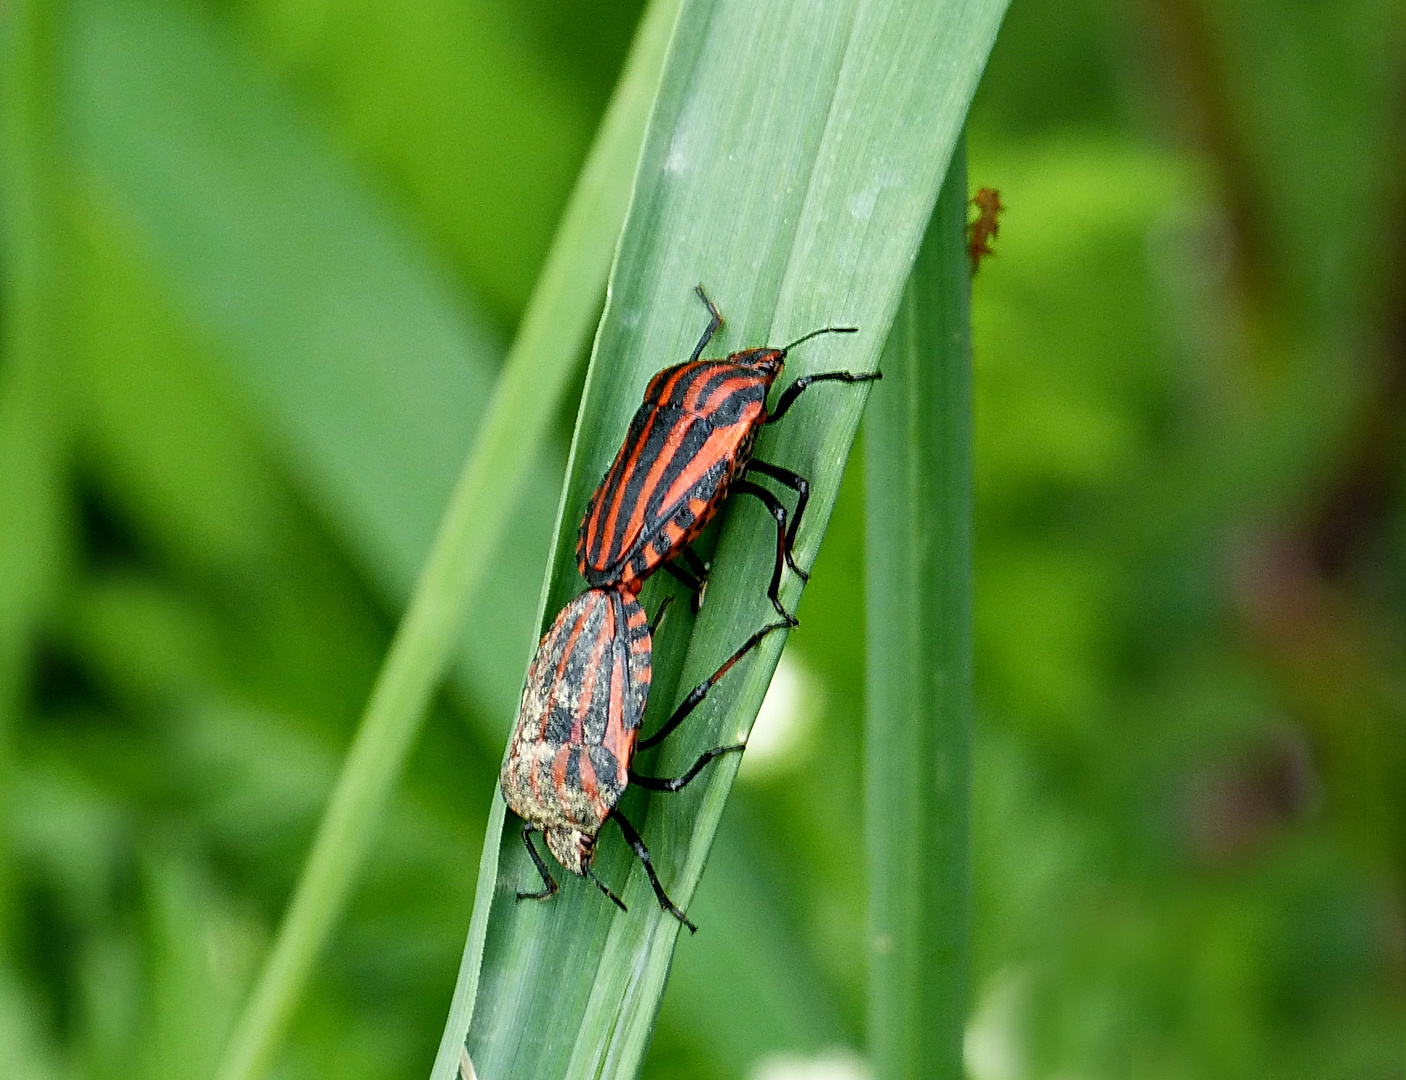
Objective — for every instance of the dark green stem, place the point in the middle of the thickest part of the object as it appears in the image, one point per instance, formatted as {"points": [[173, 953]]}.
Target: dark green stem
{"points": [[918, 489]]}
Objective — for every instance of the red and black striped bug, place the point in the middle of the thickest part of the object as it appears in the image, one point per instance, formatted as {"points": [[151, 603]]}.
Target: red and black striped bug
{"points": [[690, 444], [577, 730]]}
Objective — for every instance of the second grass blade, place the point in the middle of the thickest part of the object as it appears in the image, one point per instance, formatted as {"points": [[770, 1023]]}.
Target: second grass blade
{"points": [[917, 470]]}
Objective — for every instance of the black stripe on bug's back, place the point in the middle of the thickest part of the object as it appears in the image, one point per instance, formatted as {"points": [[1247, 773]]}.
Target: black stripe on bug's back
{"points": [[650, 491], [621, 493], [596, 537], [732, 408], [573, 767]]}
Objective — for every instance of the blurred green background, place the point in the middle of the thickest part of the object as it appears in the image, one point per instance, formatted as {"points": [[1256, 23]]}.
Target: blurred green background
{"points": [[293, 237]]}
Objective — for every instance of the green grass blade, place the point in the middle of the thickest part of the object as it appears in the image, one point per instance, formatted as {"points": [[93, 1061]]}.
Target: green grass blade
{"points": [[524, 401], [34, 289], [799, 207], [917, 469], [33, 320]]}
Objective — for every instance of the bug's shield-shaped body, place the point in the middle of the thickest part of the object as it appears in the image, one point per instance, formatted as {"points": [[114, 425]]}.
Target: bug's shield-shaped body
{"points": [[688, 440], [569, 754]]}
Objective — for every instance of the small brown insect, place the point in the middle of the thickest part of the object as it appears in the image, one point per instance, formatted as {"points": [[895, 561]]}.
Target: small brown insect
{"points": [[569, 754], [987, 225]]}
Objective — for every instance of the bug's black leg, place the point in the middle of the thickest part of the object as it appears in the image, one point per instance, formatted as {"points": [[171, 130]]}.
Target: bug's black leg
{"points": [[697, 585], [697, 565], [655, 622], [677, 783], [637, 845], [699, 569], [603, 887], [795, 390], [699, 692], [715, 320], [801, 486], [783, 552], [549, 883]]}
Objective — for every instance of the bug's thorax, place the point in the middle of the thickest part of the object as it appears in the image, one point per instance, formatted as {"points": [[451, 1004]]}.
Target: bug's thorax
{"points": [[767, 362], [572, 848]]}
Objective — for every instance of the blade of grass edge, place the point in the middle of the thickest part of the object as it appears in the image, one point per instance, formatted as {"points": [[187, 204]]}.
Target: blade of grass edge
{"points": [[800, 209], [918, 505], [525, 398], [33, 271]]}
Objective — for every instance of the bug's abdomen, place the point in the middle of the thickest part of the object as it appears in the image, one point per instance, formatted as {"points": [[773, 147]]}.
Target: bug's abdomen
{"points": [[688, 439], [581, 707]]}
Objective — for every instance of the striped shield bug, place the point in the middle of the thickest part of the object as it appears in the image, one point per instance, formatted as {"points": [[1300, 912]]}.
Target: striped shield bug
{"points": [[577, 731], [689, 445]]}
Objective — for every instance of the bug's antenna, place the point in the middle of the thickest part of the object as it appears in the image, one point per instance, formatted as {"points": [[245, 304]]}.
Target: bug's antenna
{"points": [[817, 333]]}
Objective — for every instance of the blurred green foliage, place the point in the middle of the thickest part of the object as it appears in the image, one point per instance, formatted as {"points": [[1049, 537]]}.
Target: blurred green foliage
{"points": [[293, 235]]}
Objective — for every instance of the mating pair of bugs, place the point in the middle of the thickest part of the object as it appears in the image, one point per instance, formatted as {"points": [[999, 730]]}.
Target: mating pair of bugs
{"points": [[689, 445]]}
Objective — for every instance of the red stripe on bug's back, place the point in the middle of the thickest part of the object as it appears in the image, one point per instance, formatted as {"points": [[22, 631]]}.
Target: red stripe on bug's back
{"points": [[721, 445], [625, 461], [726, 388], [587, 771], [613, 483], [591, 670], [678, 382], [559, 764], [661, 464], [699, 385], [621, 743], [617, 481]]}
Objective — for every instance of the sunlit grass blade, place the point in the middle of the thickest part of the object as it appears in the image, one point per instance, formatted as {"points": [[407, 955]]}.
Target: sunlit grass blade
{"points": [[799, 208], [524, 401], [917, 473]]}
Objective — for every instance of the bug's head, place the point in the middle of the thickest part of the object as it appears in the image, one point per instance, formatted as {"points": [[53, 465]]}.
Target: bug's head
{"points": [[769, 361], [765, 361], [572, 848]]}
